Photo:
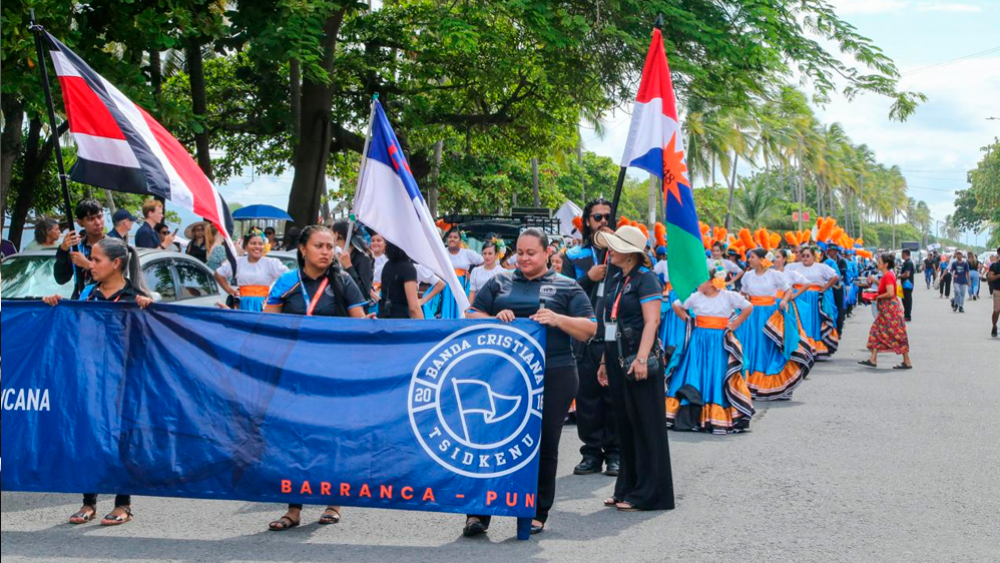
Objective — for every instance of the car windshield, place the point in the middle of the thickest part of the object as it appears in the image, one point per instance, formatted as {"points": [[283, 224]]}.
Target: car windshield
{"points": [[31, 277]]}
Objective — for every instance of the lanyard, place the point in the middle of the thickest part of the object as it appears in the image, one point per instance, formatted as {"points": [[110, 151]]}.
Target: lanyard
{"points": [[618, 300], [314, 301]]}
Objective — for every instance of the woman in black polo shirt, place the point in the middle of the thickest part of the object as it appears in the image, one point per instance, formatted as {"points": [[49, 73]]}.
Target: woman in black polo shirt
{"points": [[566, 312], [114, 267], [318, 288], [632, 321]]}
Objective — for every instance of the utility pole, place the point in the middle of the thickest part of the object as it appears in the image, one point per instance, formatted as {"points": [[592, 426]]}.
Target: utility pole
{"points": [[861, 205]]}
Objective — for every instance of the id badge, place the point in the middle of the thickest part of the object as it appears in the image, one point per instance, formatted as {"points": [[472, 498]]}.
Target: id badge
{"points": [[600, 290], [611, 332]]}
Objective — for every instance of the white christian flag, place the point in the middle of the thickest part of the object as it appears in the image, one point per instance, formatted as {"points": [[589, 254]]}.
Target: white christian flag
{"points": [[389, 202], [122, 148]]}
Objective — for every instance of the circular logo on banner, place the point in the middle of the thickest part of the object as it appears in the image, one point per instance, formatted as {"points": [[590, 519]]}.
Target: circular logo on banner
{"points": [[476, 401]]}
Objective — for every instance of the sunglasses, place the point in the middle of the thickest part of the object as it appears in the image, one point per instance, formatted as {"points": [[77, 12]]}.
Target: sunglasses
{"points": [[601, 217]]}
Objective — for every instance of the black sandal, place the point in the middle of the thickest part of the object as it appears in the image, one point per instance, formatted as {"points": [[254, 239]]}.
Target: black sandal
{"points": [[280, 524], [83, 517], [628, 507], [612, 502], [474, 527], [868, 363], [902, 367], [112, 520], [330, 519]]}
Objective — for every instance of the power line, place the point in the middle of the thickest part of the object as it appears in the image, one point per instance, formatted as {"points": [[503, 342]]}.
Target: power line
{"points": [[989, 51]]}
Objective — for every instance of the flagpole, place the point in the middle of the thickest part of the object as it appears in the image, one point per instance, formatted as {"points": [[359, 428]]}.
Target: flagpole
{"points": [[37, 30], [361, 173], [624, 170]]}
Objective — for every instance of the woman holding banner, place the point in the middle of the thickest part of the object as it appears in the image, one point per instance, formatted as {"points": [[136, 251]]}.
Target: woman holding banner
{"points": [[633, 367], [117, 279], [565, 310], [319, 288]]}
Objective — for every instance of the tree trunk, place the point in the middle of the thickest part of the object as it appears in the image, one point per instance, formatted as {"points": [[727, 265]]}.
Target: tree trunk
{"points": [[156, 73], [435, 191], [583, 173], [196, 70], [535, 193], [25, 198], [732, 192], [654, 185], [313, 149], [295, 86], [10, 147]]}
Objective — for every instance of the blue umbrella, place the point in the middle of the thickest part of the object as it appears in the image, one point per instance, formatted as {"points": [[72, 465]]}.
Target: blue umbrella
{"points": [[264, 212]]}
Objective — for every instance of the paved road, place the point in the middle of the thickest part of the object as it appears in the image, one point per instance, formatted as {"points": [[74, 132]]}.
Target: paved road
{"points": [[863, 466]]}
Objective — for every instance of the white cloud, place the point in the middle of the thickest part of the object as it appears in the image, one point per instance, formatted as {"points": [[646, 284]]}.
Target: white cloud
{"points": [[844, 7], [948, 7]]}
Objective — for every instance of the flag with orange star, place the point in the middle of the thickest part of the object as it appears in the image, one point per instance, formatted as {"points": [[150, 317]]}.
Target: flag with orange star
{"points": [[656, 145]]}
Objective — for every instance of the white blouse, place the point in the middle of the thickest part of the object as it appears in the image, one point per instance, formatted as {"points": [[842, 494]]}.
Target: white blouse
{"points": [[794, 278], [264, 272], [465, 259], [425, 276], [722, 305], [767, 284], [481, 275], [661, 269], [817, 274], [727, 265]]}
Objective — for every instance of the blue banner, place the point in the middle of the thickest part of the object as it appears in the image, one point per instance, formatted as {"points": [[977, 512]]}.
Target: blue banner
{"points": [[441, 416]]}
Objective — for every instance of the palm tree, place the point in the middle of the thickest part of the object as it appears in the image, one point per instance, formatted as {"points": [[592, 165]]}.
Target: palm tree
{"points": [[757, 204]]}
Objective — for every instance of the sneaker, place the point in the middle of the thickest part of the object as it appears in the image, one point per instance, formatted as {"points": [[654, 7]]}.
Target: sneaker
{"points": [[961, 309], [994, 334]]}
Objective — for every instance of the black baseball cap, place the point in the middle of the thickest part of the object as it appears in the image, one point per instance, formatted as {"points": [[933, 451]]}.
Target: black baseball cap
{"points": [[121, 215]]}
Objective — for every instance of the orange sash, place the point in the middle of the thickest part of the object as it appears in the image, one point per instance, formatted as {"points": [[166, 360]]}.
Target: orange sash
{"points": [[716, 323], [763, 301], [810, 287], [781, 295], [255, 291], [461, 273]]}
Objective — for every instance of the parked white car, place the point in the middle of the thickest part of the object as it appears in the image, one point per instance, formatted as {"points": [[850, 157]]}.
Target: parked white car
{"points": [[171, 276]]}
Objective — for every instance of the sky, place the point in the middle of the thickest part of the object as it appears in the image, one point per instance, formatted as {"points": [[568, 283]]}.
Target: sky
{"points": [[936, 44], [938, 48]]}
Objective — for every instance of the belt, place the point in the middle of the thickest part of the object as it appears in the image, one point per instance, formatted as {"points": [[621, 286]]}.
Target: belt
{"points": [[763, 301], [254, 291], [716, 323]]}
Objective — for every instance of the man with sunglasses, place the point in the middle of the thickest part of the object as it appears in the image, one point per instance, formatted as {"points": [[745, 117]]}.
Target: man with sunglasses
{"points": [[595, 420]]}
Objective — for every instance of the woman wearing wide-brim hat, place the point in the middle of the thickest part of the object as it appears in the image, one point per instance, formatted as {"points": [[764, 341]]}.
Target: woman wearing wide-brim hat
{"points": [[633, 367], [197, 247]]}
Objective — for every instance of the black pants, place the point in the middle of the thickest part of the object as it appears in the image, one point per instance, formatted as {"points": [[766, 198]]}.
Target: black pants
{"points": [[946, 285], [646, 479], [120, 500], [907, 303], [561, 385], [595, 419]]}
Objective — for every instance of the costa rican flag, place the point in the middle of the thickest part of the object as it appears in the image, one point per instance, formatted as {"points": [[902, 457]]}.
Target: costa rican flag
{"points": [[389, 201], [120, 147], [655, 144]]}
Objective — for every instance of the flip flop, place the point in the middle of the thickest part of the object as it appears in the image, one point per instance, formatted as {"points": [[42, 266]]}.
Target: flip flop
{"points": [[612, 502], [330, 519], [868, 363], [110, 520], [627, 507], [902, 367], [83, 517], [280, 524]]}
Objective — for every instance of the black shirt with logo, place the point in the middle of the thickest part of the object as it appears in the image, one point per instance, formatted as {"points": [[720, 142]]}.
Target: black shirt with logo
{"points": [[631, 291], [525, 297], [995, 269]]}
